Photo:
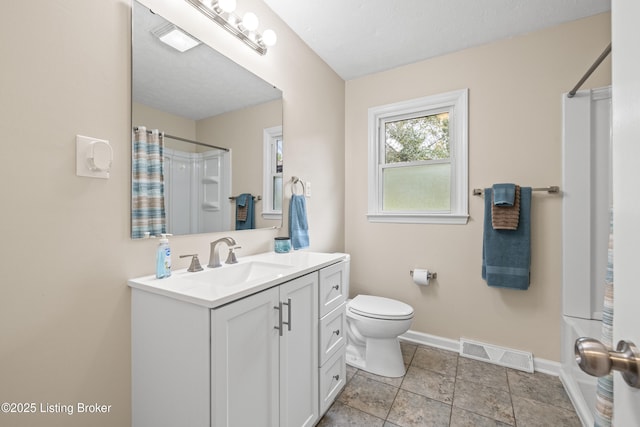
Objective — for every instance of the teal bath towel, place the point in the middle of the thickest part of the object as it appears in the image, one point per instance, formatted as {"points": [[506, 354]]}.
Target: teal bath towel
{"points": [[298, 226], [506, 254], [245, 217]]}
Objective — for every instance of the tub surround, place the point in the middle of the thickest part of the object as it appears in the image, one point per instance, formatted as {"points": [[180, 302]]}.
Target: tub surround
{"points": [[580, 386]]}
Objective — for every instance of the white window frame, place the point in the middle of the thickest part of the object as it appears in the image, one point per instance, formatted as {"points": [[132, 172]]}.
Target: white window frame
{"points": [[270, 135], [456, 103]]}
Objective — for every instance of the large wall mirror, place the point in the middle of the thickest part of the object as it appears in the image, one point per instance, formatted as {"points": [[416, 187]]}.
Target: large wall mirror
{"points": [[206, 137]]}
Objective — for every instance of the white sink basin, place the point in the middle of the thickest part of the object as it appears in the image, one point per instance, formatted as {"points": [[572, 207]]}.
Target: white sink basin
{"points": [[239, 274], [214, 287]]}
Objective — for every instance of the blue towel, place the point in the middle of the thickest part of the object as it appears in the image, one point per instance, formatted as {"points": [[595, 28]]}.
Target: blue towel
{"points": [[504, 194], [298, 226], [248, 221], [506, 254]]}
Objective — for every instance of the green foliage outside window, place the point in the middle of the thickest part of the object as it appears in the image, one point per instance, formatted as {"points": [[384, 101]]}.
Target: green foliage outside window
{"points": [[417, 139]]}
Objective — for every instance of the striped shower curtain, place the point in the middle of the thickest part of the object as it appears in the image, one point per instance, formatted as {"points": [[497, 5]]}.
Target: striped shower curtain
{"points": [[147, 210], [604, 391]]}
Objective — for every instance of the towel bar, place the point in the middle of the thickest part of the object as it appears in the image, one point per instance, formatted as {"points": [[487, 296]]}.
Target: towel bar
{"points": [[258, 198], [553, 189], [295, 180]]}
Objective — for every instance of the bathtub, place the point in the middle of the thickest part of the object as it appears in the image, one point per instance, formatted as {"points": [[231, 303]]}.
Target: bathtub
{"points": [[580, 387]]}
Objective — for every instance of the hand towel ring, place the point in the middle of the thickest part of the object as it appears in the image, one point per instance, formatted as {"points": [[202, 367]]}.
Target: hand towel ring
{"points": [[295, 180]]}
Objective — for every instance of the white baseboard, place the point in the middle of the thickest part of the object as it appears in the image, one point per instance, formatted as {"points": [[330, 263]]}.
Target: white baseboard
{"points": [[546, 366], [431, 340], [539, 365]]}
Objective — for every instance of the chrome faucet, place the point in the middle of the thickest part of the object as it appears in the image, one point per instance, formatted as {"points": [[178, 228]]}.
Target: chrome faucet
{"points": [[214, 256]]}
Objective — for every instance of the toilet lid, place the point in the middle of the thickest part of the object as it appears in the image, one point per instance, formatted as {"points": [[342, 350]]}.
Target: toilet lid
{"points": [[380, 307]]}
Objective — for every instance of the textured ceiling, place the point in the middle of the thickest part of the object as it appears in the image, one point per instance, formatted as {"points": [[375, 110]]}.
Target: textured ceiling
{"points": [[360, 37], [354, 37], [195, 84]]}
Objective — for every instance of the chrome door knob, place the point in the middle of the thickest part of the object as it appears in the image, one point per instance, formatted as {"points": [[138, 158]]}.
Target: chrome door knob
{"points": [[595, 359]]}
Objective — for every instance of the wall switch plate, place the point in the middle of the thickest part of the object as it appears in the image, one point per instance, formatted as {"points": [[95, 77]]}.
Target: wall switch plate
{"points": [[307, 189], [93, 157]]}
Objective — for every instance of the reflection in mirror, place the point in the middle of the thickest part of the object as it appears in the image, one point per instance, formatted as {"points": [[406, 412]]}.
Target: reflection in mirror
{"points": [[207, 137]]}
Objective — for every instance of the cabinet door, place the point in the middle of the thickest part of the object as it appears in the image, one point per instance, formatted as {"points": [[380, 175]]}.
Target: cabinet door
{"points": [[245, 346], [299, 352]]}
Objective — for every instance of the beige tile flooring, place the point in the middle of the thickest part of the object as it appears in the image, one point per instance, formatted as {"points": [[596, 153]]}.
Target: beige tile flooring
{"points": [[442, 389]]}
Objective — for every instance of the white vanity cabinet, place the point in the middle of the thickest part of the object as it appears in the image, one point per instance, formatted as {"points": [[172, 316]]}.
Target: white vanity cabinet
{"points": [[264, 357], [271, 358]]}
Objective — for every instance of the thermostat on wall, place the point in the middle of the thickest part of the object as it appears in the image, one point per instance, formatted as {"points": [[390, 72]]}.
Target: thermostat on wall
{"points": [[93, 157]]}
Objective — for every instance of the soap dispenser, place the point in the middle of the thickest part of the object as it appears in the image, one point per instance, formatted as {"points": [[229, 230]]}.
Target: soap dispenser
{"points": [[163, 257]]}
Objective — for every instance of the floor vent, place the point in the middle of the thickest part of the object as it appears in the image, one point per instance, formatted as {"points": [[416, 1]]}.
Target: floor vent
{"points": [[515, 359]]}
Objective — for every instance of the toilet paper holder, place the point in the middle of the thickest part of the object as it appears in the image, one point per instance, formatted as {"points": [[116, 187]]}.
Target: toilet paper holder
{"points": [[430, 275]]}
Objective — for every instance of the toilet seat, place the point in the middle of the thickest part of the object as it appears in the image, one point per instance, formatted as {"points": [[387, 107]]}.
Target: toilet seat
{"points": [[380, 308]]}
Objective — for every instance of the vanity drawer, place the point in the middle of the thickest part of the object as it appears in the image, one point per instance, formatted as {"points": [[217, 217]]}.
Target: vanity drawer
{"points": [[332, 332], [333, 377], [334, 287]]}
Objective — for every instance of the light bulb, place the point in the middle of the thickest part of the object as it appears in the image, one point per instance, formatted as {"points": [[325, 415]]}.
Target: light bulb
{"points": [[227, 5], [269, 37], [250, 21]]}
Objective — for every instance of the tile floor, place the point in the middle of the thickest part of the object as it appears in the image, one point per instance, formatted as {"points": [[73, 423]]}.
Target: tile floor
{"points": [[442, 389]]}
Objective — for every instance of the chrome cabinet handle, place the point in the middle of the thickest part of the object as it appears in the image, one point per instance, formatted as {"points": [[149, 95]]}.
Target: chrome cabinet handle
{"points": [[288, 322], [279, 308], [596, 359], [337, 332], [336, 287], [336, 377]]}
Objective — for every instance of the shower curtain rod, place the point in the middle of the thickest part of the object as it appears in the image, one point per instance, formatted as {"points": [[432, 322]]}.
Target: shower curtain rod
{"points": [[177, 138], [194, 142], [593, 67]]}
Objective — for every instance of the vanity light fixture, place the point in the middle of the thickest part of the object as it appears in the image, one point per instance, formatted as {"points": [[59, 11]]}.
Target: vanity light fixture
{"points": [[175, 37], [250, 21], [227, 5], [245, 28]]}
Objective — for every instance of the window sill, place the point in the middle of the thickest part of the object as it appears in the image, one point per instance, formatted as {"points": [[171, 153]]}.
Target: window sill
{"points": [[419, 219], [272, 215]]}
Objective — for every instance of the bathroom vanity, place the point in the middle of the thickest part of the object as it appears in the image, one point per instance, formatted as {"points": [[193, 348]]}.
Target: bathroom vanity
{"points": [[258, 343]]}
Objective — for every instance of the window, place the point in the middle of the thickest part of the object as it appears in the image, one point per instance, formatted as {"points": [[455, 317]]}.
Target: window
{"points": [[418, 160], [272, 180]]}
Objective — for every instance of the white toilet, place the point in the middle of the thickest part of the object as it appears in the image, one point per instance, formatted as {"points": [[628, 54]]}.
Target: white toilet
{"points": [[373, 327]]}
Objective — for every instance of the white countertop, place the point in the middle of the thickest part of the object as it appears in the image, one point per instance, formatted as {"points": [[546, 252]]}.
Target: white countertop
{"points": [[197, 288]]}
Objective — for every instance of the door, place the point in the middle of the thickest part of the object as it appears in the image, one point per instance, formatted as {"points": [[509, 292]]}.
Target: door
{"points": [[299, 352], [244, 351], [626, 179]]}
